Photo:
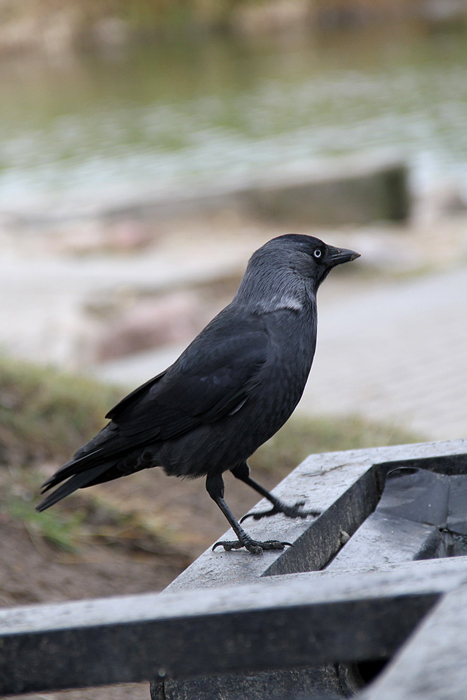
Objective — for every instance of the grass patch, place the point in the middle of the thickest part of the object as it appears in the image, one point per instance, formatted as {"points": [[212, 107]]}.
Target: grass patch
{"points": [[45, 415], [62, 530], [81, 521]]}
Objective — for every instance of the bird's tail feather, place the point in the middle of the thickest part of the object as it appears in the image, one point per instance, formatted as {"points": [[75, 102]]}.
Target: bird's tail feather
{"points": [[77, 481], [74, 466]]}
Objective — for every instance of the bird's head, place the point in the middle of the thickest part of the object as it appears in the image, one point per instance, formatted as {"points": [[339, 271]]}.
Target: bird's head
{"points": [[294, 256]]}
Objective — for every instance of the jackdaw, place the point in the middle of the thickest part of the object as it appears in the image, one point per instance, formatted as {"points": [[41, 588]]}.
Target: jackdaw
{"points": [[232, 388]]}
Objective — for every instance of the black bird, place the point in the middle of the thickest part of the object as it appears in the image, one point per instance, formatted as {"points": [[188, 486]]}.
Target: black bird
{"points": [[232, 388]]}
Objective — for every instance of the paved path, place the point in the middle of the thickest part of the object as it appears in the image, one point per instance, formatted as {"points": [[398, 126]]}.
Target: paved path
{"points": [[396, 352]]}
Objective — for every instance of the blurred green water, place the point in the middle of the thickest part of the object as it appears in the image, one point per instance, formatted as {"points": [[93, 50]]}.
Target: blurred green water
{"points": [[171, 114]]}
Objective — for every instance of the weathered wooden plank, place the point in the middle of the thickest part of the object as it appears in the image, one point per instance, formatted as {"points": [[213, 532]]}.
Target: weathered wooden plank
{"points": [[432, 665], [280, 622], [345, 486]]}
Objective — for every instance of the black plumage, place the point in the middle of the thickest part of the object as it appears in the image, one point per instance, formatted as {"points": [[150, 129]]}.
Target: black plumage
{"points": [[232, 388]]}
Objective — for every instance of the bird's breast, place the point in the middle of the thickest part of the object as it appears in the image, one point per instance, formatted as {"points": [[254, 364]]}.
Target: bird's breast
{"points": [[293, 343]]}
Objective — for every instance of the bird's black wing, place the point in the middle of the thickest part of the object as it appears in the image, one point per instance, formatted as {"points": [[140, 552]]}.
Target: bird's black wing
{"points": [[210, 379]]}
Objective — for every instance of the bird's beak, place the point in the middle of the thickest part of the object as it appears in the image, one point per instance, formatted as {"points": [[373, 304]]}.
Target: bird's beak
{"points": [[337, 256]]}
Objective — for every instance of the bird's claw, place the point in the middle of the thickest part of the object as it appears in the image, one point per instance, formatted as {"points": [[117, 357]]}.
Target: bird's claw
{"points": [[289, 511], [252, 546]]}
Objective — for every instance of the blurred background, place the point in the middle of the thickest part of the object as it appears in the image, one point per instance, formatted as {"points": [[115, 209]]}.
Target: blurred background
{"points": [[146, 149]]}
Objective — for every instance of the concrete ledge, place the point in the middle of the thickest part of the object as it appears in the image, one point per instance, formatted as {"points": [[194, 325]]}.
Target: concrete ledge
{"points": [[347, 190]]}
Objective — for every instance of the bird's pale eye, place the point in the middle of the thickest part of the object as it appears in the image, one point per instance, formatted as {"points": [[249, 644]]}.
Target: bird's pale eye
{"points": [[317, 253]]}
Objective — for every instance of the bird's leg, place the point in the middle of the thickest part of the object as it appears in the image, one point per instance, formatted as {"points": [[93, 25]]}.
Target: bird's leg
{"points": [[242, 472], [215, 488]]}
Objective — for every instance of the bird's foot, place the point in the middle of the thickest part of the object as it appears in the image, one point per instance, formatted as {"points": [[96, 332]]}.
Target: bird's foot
{"points": [[252, 546], [294, 511]]}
